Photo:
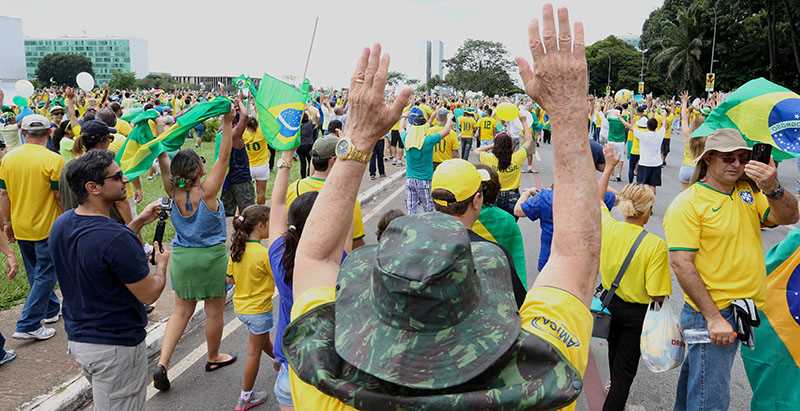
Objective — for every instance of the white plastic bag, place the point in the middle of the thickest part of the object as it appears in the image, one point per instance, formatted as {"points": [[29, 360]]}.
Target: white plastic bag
{"points": [[662, 344]]}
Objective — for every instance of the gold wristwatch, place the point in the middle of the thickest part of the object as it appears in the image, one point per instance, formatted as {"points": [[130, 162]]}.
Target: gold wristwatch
{"points": [[345, 150], [283, 164]]}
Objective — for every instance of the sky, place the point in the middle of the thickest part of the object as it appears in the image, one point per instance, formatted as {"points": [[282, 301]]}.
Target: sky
{"points": [[254, 37]]}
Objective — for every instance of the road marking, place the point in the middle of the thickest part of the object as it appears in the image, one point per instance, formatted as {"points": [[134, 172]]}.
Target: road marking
{"points": [[193, 356], [383, 204]]}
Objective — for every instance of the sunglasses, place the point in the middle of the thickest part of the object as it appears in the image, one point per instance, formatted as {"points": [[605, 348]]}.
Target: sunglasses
{"points": [[118, 176], [730, 159]]}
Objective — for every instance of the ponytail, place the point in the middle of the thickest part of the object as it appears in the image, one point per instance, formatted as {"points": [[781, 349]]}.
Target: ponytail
{"points": [[298, 214], [243, 226]]}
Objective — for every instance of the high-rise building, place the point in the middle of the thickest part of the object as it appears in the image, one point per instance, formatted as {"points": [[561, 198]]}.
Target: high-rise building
{"points": [[12, 54], [106, 54], [434, 59]]}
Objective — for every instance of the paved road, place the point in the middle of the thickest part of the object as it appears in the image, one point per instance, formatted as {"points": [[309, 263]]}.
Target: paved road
{"points": [[194, 389]]}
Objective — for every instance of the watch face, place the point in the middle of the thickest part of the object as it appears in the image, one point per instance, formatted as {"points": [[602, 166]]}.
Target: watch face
{"points": [[342, 147]]}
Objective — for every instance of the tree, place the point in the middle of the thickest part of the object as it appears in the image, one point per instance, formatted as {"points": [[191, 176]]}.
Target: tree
{"points": [[625, 65], [481, 65], [61, 69], [395, 78], [682, 47], [122, 80]]}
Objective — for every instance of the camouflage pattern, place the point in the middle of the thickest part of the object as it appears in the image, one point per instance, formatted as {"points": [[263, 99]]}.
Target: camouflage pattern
{"points": [[426, 320], [531, 375]]}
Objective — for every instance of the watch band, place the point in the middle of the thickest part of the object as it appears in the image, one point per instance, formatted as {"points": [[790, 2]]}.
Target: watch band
{"points": [[776, 194], [357, 155]]}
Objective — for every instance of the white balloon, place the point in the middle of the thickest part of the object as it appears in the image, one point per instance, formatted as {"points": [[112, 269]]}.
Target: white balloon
{"points": [[85, 81], [24, 88]]}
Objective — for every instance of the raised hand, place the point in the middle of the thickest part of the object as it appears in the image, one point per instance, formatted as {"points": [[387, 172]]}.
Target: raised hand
{"points": [[369, 117], [557, 80]]}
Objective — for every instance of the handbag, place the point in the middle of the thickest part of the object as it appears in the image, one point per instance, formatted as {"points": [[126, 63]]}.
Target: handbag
{"points": [[602, 298]]}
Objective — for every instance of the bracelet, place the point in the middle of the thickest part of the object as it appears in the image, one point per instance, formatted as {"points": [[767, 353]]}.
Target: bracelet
{"points": [[776, 194]]}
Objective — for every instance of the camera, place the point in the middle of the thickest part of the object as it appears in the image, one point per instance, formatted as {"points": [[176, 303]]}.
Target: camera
{"points": [[163, 215]]}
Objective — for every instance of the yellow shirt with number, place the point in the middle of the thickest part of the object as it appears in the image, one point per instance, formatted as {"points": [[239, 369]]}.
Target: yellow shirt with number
{"points": [[253, 277], [30, 175], [467, 125], [256, 144], [724, 230], [648, 272], [510, 177], [486, 126], [554, 315], [444, 148], [299, 187]]}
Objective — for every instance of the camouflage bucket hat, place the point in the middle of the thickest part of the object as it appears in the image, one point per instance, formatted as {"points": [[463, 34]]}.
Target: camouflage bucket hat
{"points": [[427, 321]]}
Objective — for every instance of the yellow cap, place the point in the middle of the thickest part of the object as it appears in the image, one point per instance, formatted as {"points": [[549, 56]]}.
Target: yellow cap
{"points": [[460, 177]]}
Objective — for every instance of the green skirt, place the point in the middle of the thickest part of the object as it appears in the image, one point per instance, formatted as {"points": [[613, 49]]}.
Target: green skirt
{"points": [[199, 273]]}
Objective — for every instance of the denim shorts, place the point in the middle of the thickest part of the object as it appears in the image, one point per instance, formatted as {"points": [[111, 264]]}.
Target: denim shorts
{"points": [[257, 324], [282, 389]]}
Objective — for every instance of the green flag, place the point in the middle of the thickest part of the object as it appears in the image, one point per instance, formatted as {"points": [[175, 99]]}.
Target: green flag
{"points": [[500, 227], [142, 146], [280, 108], [773, 367]]}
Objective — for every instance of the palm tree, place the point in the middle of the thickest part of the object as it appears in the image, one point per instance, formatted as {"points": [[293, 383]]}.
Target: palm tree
{"points": [[681, 46]]}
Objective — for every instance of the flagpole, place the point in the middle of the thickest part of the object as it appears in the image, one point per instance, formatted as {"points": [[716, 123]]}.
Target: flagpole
{"points": [[310, 47]]}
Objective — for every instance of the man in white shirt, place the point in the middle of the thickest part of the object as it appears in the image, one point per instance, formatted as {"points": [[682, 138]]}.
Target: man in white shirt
{"points": [[649, 151]]}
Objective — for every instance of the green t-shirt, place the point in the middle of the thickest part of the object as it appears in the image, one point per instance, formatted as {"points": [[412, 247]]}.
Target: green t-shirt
{"points": [[616, 130]]}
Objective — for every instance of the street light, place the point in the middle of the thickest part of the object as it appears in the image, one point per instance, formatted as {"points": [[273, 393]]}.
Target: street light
{"points": [[641, 76], [714, 40]]}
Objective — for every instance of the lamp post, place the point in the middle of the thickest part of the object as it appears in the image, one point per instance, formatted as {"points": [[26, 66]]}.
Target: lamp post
{"points": [[641, 76], [713, 41], [608, 87]]}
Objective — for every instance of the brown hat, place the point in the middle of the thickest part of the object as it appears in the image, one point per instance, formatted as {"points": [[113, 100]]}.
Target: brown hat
{"points": [[724, 140]]}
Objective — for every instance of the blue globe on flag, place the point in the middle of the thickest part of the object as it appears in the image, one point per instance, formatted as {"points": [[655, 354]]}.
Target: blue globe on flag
{"points": [[793, 295], [784, 125], [289, 120]]}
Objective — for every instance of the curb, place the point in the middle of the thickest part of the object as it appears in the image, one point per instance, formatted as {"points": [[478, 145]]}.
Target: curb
{"points": [[75, 393]]}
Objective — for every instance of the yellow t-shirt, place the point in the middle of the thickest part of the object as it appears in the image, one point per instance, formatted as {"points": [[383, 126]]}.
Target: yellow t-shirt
{"points": [[299, 187], [725, 232], [116, 145], [467, 125], [30, 175], [445, 147], [256, 144], [510, 177], [554, 315], [632, 136], [487, 125], [648, 272], [688, 157], [123, 127], [670, 120], [254, 283]]}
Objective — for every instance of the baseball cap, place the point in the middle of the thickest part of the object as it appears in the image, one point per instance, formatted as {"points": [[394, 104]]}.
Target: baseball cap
{"points": [[459, 177], [324, 148], [96, 128], [35, 122], [56, 108]]}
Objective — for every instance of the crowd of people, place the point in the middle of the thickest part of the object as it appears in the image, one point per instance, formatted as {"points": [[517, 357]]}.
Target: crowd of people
{"points": [[442, 312]]}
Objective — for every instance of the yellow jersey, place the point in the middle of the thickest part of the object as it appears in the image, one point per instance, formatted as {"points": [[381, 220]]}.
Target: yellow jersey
{"points": [[302, 186], [510, 177], [257, 149], [444, 148], [648, 272], [467, 125], [486, 125], [253, 277], [724, 230], [123, 127], [30, 175], [554, 315]]}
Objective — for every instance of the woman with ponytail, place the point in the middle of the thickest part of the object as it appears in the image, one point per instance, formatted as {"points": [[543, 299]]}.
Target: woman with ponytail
{"points": [[646, 278], [249, 269], [285, 229]]}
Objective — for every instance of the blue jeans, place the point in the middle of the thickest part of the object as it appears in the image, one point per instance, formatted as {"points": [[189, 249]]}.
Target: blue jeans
{"points": [[705, 379], [2, 346], [42, 301]]}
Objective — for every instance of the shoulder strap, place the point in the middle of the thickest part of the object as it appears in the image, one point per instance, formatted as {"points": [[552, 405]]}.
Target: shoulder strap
{"points": [[624, 267]]}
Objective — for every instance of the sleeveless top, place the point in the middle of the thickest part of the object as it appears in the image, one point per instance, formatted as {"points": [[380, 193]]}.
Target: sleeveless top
{"points": [[204, 228]]}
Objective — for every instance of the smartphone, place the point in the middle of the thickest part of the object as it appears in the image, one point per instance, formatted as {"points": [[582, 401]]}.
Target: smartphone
{"points": [[762, 153]]}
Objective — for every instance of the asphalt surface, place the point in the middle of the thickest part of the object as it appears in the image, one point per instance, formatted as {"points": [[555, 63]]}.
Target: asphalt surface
{"points": [[194, 389]]}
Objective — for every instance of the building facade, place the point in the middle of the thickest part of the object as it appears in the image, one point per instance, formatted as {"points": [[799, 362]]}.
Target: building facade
{"points": [[434, 59], [106, 54]]}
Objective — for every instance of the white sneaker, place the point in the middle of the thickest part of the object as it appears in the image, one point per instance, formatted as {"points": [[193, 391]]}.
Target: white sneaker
{"points": [[43, 333], [53, 319]]}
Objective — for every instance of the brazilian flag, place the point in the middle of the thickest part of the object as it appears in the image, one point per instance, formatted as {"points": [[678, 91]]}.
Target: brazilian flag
{"points": [[763, 112], [280, 108], [773, 367], [499, 227], [144, 145]]}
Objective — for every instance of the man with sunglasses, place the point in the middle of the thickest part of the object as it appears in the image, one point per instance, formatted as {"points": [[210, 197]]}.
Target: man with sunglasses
{"points": [[105, 280], [714, 238]]}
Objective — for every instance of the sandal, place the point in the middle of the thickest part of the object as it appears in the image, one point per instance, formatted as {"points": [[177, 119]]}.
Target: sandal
{"points": [[213, 366]]}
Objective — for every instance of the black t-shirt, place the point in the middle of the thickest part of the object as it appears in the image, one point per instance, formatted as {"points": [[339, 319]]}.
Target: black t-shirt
{"points": [[308, 133], [238, 168], [94, 258], [520, 291]]}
